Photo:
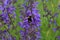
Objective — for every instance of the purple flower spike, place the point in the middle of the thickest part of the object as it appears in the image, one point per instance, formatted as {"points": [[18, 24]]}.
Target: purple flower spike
{"points": [[30, 21], [7, 17], [8, 12]]}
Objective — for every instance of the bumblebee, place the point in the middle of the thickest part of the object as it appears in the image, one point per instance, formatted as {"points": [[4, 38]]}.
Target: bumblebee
{"points": [[29, 19]]}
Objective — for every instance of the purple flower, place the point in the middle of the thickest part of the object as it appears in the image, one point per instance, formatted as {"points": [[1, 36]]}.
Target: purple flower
{"points": [[57, 28], [54, 29], [8, 12], [58, 37], [55, 23], [30, 22], [6, 18], [56, 15]]}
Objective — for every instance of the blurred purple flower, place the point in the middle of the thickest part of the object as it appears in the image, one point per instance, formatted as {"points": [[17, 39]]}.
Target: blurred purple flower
{"points": [[54, 29], [57, 28], [55, 23], [58, 37], [56, 15]]}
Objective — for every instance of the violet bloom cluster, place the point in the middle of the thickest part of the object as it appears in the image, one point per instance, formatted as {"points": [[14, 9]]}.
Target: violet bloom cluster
{"points": [[30, 21], [8, 13], [6, 17]]}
